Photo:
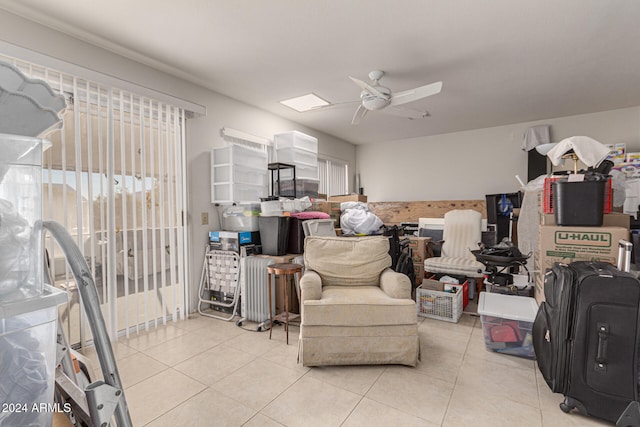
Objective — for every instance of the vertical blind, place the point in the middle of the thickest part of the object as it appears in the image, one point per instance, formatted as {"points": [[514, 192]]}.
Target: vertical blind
{"points": [[115, 178], [334, 177]]}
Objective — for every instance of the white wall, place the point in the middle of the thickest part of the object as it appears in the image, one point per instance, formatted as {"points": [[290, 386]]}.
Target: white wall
{"points": [[203, 133], [468, 165]]}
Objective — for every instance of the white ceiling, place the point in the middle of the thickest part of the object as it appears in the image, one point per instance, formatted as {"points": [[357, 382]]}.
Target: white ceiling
{"points": [[501, 61]]}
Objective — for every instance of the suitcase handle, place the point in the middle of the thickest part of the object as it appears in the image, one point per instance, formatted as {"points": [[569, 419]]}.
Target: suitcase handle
{"points": [[624, 255], [603, 338]]}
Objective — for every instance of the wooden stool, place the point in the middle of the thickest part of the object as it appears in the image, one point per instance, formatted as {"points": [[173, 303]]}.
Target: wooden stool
{"points": [[287, 270]]}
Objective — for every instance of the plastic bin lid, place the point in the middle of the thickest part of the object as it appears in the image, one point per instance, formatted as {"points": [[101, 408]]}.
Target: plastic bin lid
{"points": [[50, 297], [507, 306]]}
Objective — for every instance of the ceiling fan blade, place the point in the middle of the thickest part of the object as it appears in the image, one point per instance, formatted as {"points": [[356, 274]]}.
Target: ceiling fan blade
{"points": [[359, 114], [415, 94], [407, 113], [335, 104], [371, 89]]}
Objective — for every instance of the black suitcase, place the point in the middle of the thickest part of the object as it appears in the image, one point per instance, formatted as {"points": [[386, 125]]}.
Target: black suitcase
{"points": [[586, 338]]}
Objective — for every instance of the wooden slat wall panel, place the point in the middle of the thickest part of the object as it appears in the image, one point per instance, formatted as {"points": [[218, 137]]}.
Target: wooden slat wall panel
{"points": [[397, 212]]}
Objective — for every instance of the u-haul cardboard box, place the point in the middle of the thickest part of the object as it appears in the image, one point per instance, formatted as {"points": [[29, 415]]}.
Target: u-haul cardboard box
{"points": [[569, 244]]}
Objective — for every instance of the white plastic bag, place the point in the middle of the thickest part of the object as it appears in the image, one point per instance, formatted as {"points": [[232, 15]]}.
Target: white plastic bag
{"points": [[356, 218]]}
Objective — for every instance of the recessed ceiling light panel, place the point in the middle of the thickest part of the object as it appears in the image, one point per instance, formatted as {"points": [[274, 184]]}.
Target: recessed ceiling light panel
{"points": [[305, 102]]}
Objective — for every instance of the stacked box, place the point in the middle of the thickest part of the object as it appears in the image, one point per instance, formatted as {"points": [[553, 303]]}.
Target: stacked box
{"points": [[617, 153], [613, 219], [330, 208], [569, 244], [419, 249], [348, 198], [418, 271]]}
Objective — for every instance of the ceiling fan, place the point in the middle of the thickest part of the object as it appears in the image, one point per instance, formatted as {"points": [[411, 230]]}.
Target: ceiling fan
{"points": [[375, 97]]}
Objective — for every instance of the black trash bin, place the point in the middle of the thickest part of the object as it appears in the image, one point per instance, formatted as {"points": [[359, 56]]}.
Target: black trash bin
{"points": [[274, 234], [579, 203]]}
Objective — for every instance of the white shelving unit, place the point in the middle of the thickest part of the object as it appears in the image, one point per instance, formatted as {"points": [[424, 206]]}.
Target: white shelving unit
{"points": [[238, 174]]}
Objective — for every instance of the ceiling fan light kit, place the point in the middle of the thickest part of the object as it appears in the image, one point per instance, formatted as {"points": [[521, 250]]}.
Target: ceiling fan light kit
{"points": [[375, 97]]}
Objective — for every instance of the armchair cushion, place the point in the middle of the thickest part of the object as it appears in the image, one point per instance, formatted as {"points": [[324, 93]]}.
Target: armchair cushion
{"points": [[454, 265], [347, 261], [358, 306]]}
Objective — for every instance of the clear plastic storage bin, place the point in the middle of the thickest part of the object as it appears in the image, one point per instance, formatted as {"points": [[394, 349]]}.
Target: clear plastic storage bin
{"points": [[230, 192], [242, 156], [28, 358], [295, 139], [20, 217], [243, 217], [304, 187], [507, 321], [297, 157], [240, 175], [303, 171]]}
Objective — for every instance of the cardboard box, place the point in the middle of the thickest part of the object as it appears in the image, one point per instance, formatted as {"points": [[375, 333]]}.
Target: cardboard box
{"points": [[420, 248], [330, 208], [348, 198], [433, 285], [633, 157], [569, 244], [418, 270], [614, 219]]}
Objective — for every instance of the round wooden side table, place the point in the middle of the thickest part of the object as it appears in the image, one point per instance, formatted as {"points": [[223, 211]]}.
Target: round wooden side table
{"points": [[288, 271]]}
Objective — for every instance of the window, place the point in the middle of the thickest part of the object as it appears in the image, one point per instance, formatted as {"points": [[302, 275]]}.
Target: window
{"points": [[334, 177]]}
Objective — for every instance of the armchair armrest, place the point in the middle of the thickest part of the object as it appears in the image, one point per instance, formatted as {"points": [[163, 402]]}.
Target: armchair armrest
{"points": [[396, 285], [310, 286]]}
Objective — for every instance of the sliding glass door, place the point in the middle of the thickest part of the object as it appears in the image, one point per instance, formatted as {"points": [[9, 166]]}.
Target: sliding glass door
{"points": [[115, 178]]}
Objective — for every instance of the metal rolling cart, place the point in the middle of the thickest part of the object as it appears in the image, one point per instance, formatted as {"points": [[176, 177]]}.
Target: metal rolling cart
{"points": [[498, 269]]}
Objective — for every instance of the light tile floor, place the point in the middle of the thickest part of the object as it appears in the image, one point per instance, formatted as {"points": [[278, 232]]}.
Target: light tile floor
{"points": [[207, 372]]}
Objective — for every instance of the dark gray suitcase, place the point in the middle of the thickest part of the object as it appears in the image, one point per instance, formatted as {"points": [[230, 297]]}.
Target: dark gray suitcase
{"points": [[586, 337]]}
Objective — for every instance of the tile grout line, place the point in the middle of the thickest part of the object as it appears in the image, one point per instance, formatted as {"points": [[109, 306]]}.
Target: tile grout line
{"points": [[363, 396], [282, 392], [455, 384], [181, 403]]}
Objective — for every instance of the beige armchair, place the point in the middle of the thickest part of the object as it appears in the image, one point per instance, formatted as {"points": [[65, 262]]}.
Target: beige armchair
{"points": [[355, 309]]}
